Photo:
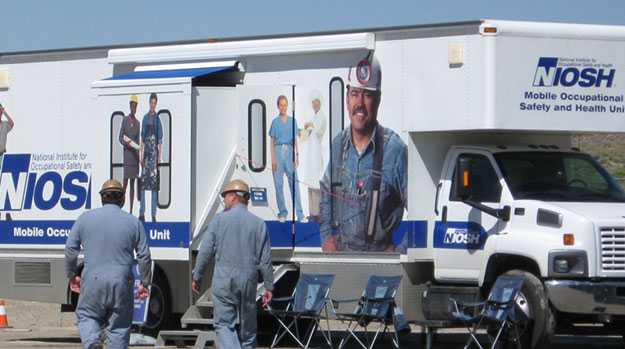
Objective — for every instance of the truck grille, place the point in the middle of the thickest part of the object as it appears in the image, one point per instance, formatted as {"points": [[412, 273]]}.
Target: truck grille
{"points": [[613, 248]]}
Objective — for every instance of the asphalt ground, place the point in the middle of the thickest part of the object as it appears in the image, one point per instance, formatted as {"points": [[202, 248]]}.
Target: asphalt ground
{"points": [[41, 325]]}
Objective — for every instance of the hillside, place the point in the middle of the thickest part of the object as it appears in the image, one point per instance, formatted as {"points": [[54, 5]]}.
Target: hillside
{"points": [[609, 149]]}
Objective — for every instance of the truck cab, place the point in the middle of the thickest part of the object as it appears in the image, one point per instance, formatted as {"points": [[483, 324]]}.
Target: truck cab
{"points": [[551, 211]]}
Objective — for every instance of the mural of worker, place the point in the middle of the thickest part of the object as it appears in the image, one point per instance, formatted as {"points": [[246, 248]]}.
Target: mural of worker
{"points": [[129, 139], [285, 159], [5, 127], [363, 190], [311, 138], [151, 152]]}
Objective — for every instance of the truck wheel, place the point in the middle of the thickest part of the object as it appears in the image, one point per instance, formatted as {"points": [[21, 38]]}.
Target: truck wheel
{"points": [[534, 303]]}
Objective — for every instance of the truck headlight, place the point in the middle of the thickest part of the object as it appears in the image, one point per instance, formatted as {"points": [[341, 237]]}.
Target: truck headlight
{"points": [[568, 263], [561, 265]]}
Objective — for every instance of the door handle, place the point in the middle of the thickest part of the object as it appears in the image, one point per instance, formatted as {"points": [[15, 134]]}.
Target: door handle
{"points": [[438, 189]]}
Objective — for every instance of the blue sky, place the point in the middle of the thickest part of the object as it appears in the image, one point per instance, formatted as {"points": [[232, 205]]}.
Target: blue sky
{"points": [[39, 25]]}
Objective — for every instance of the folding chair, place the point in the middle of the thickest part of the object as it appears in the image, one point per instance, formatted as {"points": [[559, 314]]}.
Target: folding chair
{"points": [[498, 311], [309, 299], [376, 305]]}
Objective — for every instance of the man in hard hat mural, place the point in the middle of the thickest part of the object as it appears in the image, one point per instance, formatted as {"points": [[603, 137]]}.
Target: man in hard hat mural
{"points": [[363, 190], [129, 138], [109, 237], [238, 243]]}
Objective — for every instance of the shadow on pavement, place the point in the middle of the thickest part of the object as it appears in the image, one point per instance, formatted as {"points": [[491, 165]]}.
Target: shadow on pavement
{"points": [[49, 339]]}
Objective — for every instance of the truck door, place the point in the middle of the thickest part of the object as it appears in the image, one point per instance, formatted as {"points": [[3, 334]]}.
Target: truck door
{"points": [[271, 196], [460, 236]]}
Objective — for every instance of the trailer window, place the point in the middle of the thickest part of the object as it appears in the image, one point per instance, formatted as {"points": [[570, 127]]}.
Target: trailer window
{"points": [[485, 186], [164, 167], [337, 107], [116, 148], [256, 137]]}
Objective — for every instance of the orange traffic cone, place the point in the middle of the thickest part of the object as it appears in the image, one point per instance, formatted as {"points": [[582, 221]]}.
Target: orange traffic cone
{"points": [[4, 321]]}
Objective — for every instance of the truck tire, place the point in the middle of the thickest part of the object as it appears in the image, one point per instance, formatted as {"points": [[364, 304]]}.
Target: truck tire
{"points": [[533, 298]]}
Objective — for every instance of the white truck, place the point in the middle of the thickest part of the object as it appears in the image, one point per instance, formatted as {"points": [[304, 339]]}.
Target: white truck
{"points": [[495, 100]]}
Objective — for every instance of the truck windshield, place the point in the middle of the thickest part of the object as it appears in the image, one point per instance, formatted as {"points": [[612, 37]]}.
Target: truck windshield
{"points": [[558, 176]]}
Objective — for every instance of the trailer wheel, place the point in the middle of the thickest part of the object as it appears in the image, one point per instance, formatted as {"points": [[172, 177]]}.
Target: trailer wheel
{"points": [[159, 308], [534, 303]]}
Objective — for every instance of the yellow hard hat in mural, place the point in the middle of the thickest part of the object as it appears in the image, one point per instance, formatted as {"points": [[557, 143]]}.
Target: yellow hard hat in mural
{"points": [[134, 98]]}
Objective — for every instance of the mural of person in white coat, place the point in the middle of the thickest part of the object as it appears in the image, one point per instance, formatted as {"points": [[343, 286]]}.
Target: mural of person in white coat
{"points": [[311, 138]]}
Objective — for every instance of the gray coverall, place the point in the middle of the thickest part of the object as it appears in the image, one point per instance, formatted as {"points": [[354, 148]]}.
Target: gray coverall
{"points": [[109, 237], [239, 244]]}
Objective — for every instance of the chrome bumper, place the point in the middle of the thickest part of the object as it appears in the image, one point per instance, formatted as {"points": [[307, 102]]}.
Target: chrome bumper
{"points": [[587, 297]]}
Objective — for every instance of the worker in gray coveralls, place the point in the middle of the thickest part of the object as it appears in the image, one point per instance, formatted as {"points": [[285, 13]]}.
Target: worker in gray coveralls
{"points": [[109, 238], [238, 243]]}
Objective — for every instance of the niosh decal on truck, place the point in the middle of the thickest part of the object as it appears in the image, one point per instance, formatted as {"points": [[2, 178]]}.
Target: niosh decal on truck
{"points": [[582, 72], [459, 235], [45, 181]]}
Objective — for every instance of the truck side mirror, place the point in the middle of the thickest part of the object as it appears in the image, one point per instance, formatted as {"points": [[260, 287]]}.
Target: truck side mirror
{"points": [[463, 178]]}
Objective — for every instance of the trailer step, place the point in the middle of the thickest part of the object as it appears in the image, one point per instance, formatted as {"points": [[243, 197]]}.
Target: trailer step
{"points": [[205, 300], [199, 339], [278, 272], [201, 313], [197, 316]]}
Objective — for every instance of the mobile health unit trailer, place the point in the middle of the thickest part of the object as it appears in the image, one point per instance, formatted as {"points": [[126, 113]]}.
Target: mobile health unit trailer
{"points": [[495, 100]]}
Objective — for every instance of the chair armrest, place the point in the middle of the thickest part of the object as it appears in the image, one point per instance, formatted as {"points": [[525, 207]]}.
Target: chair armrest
{"points": [[336, 302], [378, 300], [281, 299], [466, 304], [499, 304]]}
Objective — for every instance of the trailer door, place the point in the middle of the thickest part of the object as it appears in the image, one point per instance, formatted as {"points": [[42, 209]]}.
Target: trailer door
{"points": [[271, 174]]}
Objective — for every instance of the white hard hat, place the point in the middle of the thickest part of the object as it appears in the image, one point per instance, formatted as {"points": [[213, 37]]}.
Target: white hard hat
{"points": [[366, 74], [237, 186]]}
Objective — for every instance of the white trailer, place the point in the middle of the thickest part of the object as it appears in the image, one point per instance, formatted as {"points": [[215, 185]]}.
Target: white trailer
{"points": [[495, 98]]}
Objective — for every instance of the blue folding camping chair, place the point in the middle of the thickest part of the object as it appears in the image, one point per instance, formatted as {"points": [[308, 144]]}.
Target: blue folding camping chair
{"points": [[309, 299], [376, 305], [498, 311]]}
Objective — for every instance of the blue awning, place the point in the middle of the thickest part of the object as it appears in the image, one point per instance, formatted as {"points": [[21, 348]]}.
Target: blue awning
{"points": [[173, 73]]}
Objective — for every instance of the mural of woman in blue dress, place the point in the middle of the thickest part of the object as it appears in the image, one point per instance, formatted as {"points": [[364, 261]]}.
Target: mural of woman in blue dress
{"points": [[151, 151]]}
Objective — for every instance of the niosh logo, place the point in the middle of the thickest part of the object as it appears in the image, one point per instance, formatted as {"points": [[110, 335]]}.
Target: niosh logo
{"points": [[552, 71], [461, 236], [21, 189]]}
